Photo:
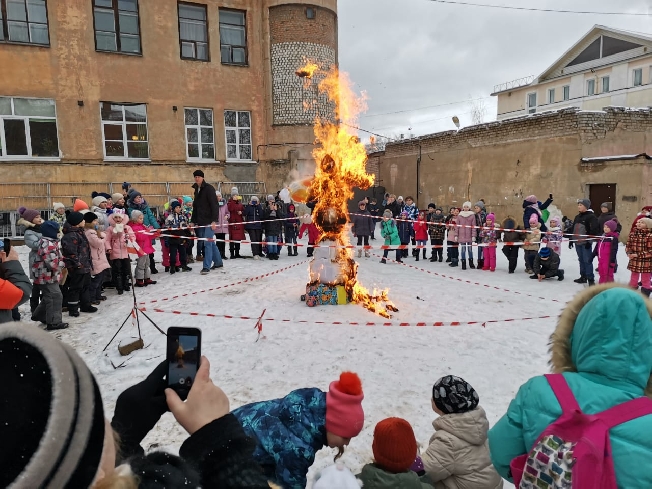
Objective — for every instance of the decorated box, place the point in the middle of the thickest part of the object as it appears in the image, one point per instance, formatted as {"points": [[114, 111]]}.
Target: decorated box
{"points": [[322, 294]]}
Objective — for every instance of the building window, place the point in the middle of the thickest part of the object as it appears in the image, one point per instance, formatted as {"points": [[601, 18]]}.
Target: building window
{"points": [[193, 31], [238, 135], [590, 87], [200, 143], [117, 26], [28, 128], [24, 21], [531, 103], [638, 77], [605, 84], [566, 90], [233, 37], [551, 95], [124, 131], [310, 13]]}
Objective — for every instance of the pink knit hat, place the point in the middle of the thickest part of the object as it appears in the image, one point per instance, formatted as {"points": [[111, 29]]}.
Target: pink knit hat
{"points": [[534, 219], [491, 217], [612, 225], [344, 414], [532, 199]]}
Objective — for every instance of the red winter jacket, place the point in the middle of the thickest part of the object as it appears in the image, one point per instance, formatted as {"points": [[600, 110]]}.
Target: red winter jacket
{"points": [[313, 232], [421, 231]]}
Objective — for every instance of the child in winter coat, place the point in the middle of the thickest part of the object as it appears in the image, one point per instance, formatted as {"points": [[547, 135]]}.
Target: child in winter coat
{"points": [[136, 202], [31, 220], [99, 208], [453, 232], [606, 251], [375, 213], [179, 228], [546, 265], [420, 229], [236, 223], [639, 252], [253, 215], [405, 232], [389, 231], [466, 232], [554, 235], [362, 227], [394, 448], [98, 256], [273, 229], [532, 240], [511, 234], [58, 215], [480, 221], [313, 234], [77, 256], [458, 453], [117, 236], [47, 270], [289, 431], [437, 231], [489, 239], [144, 241], [291, 225], [165, 241]]}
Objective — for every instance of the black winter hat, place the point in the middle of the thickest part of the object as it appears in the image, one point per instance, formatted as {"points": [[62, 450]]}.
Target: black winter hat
{"points": [[75, 218], [50, 229], [198, 173], [89, 217], [453, 394], [432, 206], [52, 424], [125, 185]]}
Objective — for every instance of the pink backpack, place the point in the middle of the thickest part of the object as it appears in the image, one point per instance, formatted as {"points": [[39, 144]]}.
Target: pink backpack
{"points": [[575, 451]]}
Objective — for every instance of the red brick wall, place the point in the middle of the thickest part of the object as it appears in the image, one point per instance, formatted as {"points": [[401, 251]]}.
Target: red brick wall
{"points": [[288, 23]]}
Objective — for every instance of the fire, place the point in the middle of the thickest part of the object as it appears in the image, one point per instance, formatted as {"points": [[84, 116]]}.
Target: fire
{"points": [[308, 70], [341, 165]]}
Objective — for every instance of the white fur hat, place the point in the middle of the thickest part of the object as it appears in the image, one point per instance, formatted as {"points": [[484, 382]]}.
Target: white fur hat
{"points": [[467, 204], [58, 205], [234, 191], [98, 200]]}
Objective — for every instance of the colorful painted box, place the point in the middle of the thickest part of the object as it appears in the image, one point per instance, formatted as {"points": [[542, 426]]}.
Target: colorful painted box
{"points": [[322, 294]]}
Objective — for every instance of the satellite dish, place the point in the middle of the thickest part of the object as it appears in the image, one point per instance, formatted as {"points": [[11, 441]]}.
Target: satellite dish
{"points": [[456, 121]]}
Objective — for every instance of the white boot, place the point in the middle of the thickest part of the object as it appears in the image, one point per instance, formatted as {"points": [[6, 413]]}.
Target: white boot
{"points": [[359, 252]]}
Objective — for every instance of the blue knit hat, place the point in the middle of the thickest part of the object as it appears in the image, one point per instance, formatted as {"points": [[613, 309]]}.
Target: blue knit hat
{"points": [[544, 252], [50, 229]]}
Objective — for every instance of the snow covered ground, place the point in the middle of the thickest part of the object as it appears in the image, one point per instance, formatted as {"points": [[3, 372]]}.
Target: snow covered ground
{"points": [[397, 365]]}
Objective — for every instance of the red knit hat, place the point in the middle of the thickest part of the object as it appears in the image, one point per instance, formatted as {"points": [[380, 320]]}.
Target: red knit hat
{"points": [[344, 414], [394, 446], [79, 205]]}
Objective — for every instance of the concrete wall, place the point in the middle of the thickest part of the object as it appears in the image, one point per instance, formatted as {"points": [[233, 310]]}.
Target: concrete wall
{"points": [[503, 162]]}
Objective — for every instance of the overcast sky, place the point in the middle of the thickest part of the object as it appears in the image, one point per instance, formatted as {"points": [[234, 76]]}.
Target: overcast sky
{"points": [[410, 54]]}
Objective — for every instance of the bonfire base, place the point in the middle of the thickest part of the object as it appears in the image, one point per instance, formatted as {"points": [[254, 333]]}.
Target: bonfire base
{"points": [[323, 294]]}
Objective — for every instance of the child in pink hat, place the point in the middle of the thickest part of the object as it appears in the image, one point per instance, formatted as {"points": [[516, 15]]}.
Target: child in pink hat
{"points": [[489, 239]]}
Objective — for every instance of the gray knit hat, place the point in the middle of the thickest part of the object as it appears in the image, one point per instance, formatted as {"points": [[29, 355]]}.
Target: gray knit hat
{"points": [[135, 214], [479, 204], [52, 424], [585, 202], [388, 214]]}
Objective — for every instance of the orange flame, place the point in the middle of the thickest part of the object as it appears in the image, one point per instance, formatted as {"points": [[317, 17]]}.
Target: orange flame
{"points": [[341, 165]]}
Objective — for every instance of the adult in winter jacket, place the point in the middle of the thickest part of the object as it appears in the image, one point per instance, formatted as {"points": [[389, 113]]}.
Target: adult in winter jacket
{"points": [[585, 223], [273, 228], [236, 223], [608, 214], [411, 208], [532, 206], [253, 214], [437, 231], [137, 203], [15, 287], [546, 265], [222, 228], [392, 206], [603, 347], [206, 214]]}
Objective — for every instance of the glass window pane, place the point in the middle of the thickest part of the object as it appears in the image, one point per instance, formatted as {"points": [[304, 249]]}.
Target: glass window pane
{"points": [[113, 132], [239, 55], [245, 136], [5, 106], [193, 151], [2, 37], [192, 135], [208, 151], [129, 43], [225, 54], [187, 50], [16, 10], [244, 119], [206, 117], [231, 151], [114, 148], [39, 33], [18, 32], [15, 137], [128, 24], [228, 17], [43, 133], [104, 3], [104, 20], [34, 106], [245, 152], [192, 31], [206, 134], [192, 12], [36, 11], [136, 132], [106, 41], [111, 112], [136, 113], [191, 117], [232, 35], [202, 51], [230, 136], [137, 150], [229, 118], [130, 5]]}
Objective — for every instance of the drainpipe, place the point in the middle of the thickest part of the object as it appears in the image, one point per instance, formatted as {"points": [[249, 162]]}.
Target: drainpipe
{"points": [[418, 175]]}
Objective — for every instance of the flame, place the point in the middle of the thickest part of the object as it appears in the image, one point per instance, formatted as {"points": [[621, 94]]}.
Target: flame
{"points": [[341, 165], [308, 70]]}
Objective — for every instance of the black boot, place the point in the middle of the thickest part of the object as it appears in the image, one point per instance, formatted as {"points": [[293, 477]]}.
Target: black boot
{"points": [[591, 283], [441, 258], [433, 258], [417, 256], [424, 254], [290, 251], [646, 292], [453, 263], [296, 253], [581, 280], [560, 275], [237, 250], [448, 259], [73, 310], [472, 265], [53, 327], [463, 264]]}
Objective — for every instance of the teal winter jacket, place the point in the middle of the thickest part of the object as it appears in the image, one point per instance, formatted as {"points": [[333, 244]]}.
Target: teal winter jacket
{"points": [[603, 346], [389, 231]]}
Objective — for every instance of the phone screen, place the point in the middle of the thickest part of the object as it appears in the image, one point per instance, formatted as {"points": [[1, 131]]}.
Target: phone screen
{"points": [[6, 245], [183, 355]]}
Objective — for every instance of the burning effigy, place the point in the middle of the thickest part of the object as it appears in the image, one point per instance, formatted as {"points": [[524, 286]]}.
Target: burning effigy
{"points": [[340, 160]]}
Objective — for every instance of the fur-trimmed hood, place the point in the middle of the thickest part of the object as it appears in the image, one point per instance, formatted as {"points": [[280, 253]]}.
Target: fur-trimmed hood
{"points": [[27, 224], [610, 338]]}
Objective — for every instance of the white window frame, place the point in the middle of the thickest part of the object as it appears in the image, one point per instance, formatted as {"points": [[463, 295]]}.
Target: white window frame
{"points": [[123, 123], [531, 109], [565, 92], [608, 83], [28, 133], [634, 72], [198, 127], [551, 95], [237, 133], [590, 87]]}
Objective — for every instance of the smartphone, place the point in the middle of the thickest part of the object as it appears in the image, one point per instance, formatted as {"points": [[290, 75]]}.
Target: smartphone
{"points": [[183, 356], [7, 245]]}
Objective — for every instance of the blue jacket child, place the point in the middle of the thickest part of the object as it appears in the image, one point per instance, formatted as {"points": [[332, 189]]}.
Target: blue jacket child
{"points": [[405, 228], [289, 431]]}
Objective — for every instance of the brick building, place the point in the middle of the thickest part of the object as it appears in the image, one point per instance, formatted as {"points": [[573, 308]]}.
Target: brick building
{"points": [[601, 155], [96, 92]]}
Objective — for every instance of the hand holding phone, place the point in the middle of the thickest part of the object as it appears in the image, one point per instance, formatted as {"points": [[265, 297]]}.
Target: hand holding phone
{"points": [[183, 356], [7, 245]]}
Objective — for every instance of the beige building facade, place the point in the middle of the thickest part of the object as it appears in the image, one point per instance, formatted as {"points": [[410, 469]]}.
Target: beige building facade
{"points": [[607, 67], [97, 92]]}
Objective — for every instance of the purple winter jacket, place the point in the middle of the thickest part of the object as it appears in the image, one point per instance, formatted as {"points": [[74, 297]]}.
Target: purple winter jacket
{"points": [[465, 234]]}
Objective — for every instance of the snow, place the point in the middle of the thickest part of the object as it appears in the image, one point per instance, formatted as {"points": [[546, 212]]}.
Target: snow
{"points": [[397, 365]]}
